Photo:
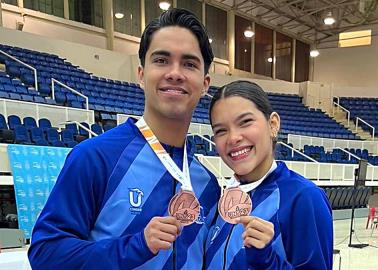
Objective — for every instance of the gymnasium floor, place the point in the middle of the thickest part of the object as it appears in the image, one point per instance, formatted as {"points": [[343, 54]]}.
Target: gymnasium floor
{"points": [[355, 258]]}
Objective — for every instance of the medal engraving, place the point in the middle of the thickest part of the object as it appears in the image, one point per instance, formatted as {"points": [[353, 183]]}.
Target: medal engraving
{"points": [[185, 207], [233, 204]]}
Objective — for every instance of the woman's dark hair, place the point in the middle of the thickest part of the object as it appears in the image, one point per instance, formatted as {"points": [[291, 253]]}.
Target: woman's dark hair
{"points": [[182, 18], [247, 90]]}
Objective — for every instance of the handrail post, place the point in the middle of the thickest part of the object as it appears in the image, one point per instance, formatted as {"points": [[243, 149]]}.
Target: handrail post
{"points": [[53, 88], [71, 89], [26, 65]]}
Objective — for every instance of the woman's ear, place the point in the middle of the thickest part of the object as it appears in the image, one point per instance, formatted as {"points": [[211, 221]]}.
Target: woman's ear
{"points": [[274, 122]]}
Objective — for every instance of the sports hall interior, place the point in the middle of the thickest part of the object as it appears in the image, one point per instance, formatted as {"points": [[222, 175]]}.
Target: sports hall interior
{"points": [[68, 73]]}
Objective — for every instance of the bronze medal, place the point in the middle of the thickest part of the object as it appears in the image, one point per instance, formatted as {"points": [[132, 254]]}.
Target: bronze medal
{"points": [[185, 207], [233, 204]]}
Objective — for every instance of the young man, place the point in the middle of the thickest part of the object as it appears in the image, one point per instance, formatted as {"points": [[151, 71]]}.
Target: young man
{"points": [[109, 207]]}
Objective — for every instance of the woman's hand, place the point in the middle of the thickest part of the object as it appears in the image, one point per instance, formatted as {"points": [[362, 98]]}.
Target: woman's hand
{"points": [[258, 233]]}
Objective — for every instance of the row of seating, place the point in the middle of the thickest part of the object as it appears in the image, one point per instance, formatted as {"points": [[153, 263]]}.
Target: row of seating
{"points": [[110, 97], [29, 132], [345, 197], [364, 108]]}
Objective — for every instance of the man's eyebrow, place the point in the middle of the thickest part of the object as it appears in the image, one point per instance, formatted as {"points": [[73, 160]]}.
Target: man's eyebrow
{"points": [[191, 57], [168, 54], [160, 52]]}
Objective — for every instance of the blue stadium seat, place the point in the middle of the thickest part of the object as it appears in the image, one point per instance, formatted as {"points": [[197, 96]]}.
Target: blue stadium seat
{"points": [[53, 136], [6, 135], [96, 128], [21, 135], [108, 127], [39, 99], [68, 138], [83, 132], [29, 123], [38, 137], [14, 121], [44, 124]]}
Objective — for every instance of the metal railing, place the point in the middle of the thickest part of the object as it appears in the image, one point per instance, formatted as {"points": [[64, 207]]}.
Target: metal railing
{"points": [[337, 104], [296, 151], [366, 123], [212, 144], [90, 132], [26, 65], [53, 81], [349, 153], [299, 141], [56, 114]]}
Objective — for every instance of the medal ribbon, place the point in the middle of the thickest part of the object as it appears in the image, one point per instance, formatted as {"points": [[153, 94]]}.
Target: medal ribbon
{"points": [[182, 176], [234, 182]]}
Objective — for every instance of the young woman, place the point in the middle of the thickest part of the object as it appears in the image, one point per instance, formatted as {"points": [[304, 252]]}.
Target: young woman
{"points": [[290, 226]]}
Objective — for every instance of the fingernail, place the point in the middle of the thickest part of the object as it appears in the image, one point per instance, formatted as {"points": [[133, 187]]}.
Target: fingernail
{"points": [[237, 220]]}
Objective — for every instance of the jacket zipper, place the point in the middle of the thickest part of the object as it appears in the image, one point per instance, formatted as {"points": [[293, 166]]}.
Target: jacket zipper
{"points": [[173, 194], [225, 248]]}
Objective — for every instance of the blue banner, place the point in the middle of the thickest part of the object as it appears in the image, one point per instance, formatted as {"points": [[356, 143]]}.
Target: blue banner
{"points": [[35, 170]]}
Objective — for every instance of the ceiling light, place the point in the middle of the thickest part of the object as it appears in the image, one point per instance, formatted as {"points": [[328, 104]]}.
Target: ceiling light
{"points": [[210, 40], [164, 5], [270, 59], [119, 15], [329, 20], [314, 53], [248, 33]]}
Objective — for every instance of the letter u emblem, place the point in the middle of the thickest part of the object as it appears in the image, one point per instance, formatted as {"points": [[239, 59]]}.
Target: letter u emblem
{"points": [[135, 202]]}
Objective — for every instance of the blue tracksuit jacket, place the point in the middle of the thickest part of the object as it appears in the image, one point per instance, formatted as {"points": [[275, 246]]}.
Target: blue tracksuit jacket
{"points": [[108, 190], [302, 221]]}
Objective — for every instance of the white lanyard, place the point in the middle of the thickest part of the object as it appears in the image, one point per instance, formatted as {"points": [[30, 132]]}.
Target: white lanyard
{"points": [[182, 176], [233, 182]]}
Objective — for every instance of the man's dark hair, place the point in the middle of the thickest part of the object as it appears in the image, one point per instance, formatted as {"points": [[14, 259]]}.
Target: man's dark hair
{"points": [[182, 18]]}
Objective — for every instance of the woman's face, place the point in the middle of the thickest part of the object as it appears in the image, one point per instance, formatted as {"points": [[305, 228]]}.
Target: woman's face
{"points": [[243, 136]]}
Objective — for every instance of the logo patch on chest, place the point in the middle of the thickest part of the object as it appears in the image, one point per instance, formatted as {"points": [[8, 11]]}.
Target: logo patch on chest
{"points": [[135, 199]]}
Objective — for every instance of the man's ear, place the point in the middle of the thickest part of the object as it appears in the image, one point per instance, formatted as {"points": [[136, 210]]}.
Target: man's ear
{"points": [[141, 76], [206, 84]]}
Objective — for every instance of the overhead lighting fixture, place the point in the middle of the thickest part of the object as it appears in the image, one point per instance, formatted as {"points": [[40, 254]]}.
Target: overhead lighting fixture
{"points": [[210, 40], [314, 53], [329, 19], [119, 15], [270, 59], [248, 33], [164, 5]]}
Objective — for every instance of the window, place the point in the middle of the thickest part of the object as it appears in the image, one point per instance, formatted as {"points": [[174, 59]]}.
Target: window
{"points": [[152, 10], [52, 7], [302, 56], [86, 11], [263, 50], [10, 2], [242, 45], [283, 57], [192, 5], [216, 24], [356, 38], [130, 22]]}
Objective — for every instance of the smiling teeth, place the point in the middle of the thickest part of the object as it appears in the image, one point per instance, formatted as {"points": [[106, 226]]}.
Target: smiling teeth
{"points": [[174, 91], [241, 152]]}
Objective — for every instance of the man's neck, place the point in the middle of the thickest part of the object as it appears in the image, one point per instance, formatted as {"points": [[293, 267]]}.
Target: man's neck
{"points": [[168, 131]]}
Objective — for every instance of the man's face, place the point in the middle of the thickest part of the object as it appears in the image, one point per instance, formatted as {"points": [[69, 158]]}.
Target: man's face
{"points": [[173, 75]]}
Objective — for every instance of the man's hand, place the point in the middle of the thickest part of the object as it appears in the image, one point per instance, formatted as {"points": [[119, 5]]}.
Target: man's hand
{"points": [[258, 233], [161, 232]]}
